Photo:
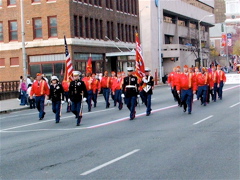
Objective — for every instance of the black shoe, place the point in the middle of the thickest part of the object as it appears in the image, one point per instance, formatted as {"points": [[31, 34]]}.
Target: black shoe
{"points": [[89, 110], [148, 114], [40, 119], [120, 106], [78, 125], [57, 122], [184, 109], [94, 105], [189, 113]]}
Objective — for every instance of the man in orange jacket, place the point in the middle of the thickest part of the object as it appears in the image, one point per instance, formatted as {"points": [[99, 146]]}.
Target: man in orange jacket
{"points": [[96, 88], [40, 89], [105, 85], [117, 90], [88, 83], [221, 79], [202, 83], [186, 86]]}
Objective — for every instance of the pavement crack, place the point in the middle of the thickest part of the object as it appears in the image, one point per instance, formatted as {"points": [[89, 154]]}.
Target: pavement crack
{"points": [[50, 166]]}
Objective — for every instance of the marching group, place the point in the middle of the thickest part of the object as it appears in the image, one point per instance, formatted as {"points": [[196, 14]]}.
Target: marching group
{"points": [[125, 90], [208, 82], [122, 89]]}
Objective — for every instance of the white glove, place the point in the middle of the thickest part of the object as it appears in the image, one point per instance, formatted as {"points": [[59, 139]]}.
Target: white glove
{"points": [[69, 100], [62, 102], [138, 95], [84, 99], [49, 101], [122, 95]]}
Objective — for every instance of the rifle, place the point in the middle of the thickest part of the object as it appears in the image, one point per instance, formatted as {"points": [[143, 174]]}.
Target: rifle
{"points": [[81, 108]]}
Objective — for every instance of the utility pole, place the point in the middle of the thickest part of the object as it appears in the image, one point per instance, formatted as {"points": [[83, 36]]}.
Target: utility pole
{"points": [[24, 59]]}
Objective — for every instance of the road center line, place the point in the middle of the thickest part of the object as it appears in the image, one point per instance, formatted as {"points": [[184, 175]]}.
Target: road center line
{"points": [[109, 162], [235, 105], [203, 120]]}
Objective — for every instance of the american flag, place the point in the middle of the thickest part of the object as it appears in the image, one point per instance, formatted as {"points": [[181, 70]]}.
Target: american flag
{"points": [[68, 64], [140, 69]]}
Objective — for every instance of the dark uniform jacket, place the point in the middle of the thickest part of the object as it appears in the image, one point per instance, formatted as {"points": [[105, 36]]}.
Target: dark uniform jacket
{"points": [[56, 92], [76, 88], [130, 86], [149, 82]]}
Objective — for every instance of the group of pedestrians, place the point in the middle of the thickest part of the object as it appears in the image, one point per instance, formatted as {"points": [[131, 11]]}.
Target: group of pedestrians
{"points": [[121, 89], [208, 82]]}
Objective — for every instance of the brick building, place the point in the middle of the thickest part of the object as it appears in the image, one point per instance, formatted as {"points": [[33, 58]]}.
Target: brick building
{"points": [[104, 28]]}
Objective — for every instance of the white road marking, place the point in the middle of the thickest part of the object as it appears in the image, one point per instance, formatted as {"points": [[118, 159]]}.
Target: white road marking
{"points": [[38, 130], [203, 120], [40, 122], [109, 162], [235, 105]]}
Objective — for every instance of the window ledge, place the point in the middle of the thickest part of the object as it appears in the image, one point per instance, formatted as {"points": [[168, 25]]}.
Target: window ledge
{"points": [[14, 66], [2, 66]]}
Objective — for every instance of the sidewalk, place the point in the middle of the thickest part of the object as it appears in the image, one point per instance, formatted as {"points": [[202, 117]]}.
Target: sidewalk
{"points": [[10, 105]]}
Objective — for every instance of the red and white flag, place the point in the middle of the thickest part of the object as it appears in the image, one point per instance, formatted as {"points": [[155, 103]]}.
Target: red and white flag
{"points": [[89, 64], [68, 64], [140, 68]]}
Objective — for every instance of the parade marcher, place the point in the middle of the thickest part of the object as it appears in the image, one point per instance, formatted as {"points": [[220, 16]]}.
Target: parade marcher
{"points": [[41, 91], [221, 79], [57, 97], [96, 89], [77, 90], [88, 80], [147, 90], [117, 90], [113, 80], [65, 85], [187, 88], [214, 82], [202, 83], [130, 92], [211, 78], [174, 78], [105, 85]]}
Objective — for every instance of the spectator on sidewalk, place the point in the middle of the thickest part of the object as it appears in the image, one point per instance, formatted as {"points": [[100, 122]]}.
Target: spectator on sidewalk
{"points": [[31, 102], [23, 93]]}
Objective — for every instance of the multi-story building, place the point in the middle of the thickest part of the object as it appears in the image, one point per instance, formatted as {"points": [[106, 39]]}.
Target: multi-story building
{"points": [[173, 27], [219, 11], [103, 28]]}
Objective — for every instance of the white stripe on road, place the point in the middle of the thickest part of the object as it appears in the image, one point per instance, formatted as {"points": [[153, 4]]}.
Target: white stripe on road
{"points": [[109, 162], [40, 122], [203, 120], [235, 105]]}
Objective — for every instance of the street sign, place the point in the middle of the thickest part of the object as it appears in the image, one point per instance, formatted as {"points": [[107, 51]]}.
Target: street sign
{"points": [[229, 35]]}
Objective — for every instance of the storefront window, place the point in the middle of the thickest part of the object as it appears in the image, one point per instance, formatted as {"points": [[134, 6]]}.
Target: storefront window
{"points": [[34, 70]]}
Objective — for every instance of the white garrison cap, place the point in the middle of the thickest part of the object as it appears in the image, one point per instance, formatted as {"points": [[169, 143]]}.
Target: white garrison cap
{"points": [[76, 73], [54, 78], [129, 69], [147, 69]]}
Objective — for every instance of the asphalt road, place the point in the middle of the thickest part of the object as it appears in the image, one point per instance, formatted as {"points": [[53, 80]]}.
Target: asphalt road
{"points": [[169, 144]]}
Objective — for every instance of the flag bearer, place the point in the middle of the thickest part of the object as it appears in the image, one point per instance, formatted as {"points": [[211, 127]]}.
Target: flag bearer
{"points": [[40, 89], [57, 97], [130, 92], [147, 90], [77, 90], [187, 88]]}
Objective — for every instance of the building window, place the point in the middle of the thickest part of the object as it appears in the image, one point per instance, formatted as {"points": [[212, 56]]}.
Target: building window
{"points": [[2, 62], [100, 2], [1, 32], [133, 33], [0, 3], [75, 19], [86, 28], [12, 2], [14, 61], [101, 29], [52, 26], [92, 28], [81, 26], [97, 28], [37, 28], [13, 35]]}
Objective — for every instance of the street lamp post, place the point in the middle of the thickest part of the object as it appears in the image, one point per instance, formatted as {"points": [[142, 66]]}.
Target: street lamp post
{"points": [[23, 42], [199, 36]]}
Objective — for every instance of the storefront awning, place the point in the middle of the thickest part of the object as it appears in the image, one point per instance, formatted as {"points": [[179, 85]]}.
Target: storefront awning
{"points": [[114, 54]]}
